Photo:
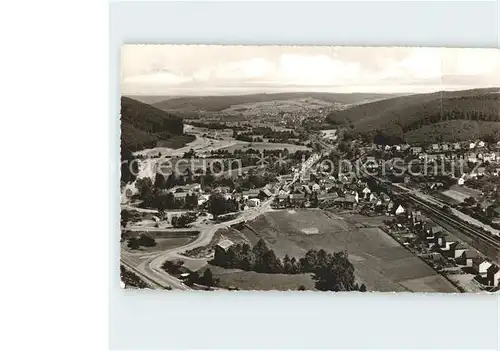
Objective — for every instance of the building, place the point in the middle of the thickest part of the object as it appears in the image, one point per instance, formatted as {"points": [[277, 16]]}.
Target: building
{"points": [[297, 199], [459, 250], [265, 194], [493, 275], [220, 250], [480, 265], [400, 210], [250, 194], [253, 202]]}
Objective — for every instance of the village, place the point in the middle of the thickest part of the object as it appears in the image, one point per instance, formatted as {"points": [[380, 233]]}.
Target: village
{"points": [[316, 180]]}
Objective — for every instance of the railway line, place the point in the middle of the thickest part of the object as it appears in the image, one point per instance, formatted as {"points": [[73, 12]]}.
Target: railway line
{"points": [[465, 227]]}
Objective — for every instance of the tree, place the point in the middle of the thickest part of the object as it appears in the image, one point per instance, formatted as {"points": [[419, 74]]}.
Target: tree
{"points": [[159, 181], [362, 288], [191, 201], [207, 278], [217, 205], [287, 265], [308, 262], [145, 188], [124, 217], [335, 273], [193, 278], [259, 251], [271, 263], [171, 181], [301, 288]]}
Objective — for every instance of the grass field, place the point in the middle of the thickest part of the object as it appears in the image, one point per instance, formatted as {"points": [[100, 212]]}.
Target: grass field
{"points": [[380, 262], [260, 281]]}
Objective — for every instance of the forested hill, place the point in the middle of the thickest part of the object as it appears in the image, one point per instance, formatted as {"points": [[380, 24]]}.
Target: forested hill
{"points": [[405, 115], [219, 103], [143, 125]]}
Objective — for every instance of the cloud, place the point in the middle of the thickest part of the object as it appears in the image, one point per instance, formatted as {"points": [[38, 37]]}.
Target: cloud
{"points": [[170, 69]]}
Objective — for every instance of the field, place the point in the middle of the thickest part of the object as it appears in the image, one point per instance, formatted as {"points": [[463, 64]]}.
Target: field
{"points": [[162, 244], [260, 281], [380, 262]]}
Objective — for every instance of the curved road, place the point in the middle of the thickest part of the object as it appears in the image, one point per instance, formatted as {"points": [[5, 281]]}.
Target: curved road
{"points": [[151, 267]]}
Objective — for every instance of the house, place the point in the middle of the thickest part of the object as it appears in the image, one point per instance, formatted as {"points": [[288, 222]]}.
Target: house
{"points": [[315, 187], [445, 147], [481, 144], [416, 150], [366, 191], [282, 200], [493, 275], [466, 258], [400, 210], [346, 202], [457, 146], [472, 145], [481, 171], [250, 194], [461, 180], [489, 156], [203, 198], [221, 248], [180, 196], [459, 250], [480, 265], [297, 199], [417, 217], [385, 197], [253, 202], [435, 147], [264, 194]]}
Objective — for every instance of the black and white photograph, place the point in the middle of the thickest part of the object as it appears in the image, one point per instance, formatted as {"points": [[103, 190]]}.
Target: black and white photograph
{"points": [[310, 168]]}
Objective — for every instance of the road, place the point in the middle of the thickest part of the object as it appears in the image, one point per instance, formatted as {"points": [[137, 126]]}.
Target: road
{"points": [[150, 268]]}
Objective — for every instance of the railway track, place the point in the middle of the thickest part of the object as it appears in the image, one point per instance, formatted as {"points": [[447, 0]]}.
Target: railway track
{"points": [[465, 227]]}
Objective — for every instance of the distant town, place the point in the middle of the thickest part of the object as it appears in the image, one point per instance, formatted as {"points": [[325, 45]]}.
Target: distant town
{"points": [[284, 194]]}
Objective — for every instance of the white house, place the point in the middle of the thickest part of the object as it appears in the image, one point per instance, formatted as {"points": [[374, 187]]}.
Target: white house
{"points": [[481, 144], [400, 210], [472, 145], [480, 265], [461, 180]]}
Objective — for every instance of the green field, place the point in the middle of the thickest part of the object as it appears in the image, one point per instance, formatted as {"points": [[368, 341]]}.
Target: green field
{"points": [[380, 262]]}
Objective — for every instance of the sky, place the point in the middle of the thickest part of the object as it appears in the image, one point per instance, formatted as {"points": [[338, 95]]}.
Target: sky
{"points": [[232, 70]]}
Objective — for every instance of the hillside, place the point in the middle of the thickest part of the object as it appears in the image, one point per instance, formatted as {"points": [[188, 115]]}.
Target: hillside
{"points": [[424, 114], [219, 103], [143, 125]]}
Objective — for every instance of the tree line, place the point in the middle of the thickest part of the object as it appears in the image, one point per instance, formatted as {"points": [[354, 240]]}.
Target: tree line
{"points": [[330, 271]]}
